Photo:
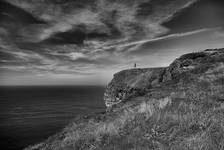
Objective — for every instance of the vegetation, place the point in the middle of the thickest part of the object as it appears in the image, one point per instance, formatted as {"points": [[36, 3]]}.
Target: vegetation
{"points": [[181, 113]]}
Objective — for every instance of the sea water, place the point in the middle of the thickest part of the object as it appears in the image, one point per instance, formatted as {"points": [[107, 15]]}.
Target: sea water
{"points": [[30, 114]]}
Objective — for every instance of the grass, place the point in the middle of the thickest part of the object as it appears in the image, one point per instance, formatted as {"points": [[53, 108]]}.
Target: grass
{"points": [[186, 113], [169, 123]]}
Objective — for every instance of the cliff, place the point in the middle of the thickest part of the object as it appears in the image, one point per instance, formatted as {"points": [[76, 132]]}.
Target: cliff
{"points": [[176, 107], [136, 82]]}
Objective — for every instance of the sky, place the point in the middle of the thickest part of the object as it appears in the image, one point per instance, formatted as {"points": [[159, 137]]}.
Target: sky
{"points": [[73, 42]]}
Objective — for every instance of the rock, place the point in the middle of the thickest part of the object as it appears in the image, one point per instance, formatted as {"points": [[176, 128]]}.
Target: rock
{"points": [[128, 83], [136, 82], [180, 105]]}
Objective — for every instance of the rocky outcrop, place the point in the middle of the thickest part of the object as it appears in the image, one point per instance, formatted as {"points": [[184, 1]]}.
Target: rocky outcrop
{"points": [[129, 83], [136, 82], [179, 107]]}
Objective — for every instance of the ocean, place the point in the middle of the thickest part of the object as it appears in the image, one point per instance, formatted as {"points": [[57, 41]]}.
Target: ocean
{"points": [[30, 114]]}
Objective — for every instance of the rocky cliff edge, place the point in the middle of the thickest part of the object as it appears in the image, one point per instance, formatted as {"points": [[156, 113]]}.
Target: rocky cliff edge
{"points": [[135, 82], [179, 107]]}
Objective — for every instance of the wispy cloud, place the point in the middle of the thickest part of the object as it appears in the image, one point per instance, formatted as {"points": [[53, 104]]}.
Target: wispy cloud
{"points": [[96, 38], [105, 16], [167, 37]]}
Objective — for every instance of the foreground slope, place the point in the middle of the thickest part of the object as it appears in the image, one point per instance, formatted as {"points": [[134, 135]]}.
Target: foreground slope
{"points": [[177, 107]]}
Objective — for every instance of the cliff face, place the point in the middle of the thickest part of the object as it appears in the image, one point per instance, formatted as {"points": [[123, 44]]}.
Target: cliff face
{"points": [[137, 82], [129, 83], [177, 107]]}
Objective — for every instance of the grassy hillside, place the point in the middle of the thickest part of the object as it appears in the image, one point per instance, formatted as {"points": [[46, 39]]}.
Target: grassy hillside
{"points": [[182, 110]]}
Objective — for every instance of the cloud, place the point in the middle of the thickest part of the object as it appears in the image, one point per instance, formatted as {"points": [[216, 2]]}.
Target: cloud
{"points": [[99, 20], [167, 37], [219, 34], [97, 37], [113, 18]]}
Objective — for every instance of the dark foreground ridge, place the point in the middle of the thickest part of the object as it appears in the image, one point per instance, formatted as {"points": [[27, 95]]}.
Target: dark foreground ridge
{"points": [[180, 107]]}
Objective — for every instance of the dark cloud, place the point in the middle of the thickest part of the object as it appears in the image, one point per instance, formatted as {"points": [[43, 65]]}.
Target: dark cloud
{"points": [[76, 36], [11, 13], [101, 18], [203, 14], [69, 37]]}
